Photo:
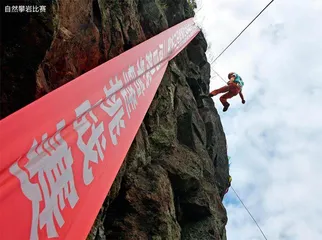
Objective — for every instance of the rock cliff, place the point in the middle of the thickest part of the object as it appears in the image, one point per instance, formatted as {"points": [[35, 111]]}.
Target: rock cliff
{"points": [[173, 179]]}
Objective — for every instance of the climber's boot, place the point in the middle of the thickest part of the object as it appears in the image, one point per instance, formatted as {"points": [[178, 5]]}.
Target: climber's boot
{"points": [[226, 106]]}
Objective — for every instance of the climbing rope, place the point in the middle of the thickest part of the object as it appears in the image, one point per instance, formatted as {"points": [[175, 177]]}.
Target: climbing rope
{"points": [[201, 6], [242, 31], [219, 75], [249, 212], [225, 82], [238, 37]]}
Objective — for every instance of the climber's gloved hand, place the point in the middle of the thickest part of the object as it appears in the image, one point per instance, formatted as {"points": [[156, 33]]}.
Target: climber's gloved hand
{"points": [[243, 101], [210, 95]]}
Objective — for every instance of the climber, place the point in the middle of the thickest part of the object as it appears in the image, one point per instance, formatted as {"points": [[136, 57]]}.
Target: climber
{"points": [[235, 85]]}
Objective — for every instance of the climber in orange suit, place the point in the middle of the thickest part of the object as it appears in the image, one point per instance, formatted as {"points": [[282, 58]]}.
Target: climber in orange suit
{"points": [[234, 87]]}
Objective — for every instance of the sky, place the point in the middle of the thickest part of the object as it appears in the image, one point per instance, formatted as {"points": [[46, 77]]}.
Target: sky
{"points": [[274, 140]]}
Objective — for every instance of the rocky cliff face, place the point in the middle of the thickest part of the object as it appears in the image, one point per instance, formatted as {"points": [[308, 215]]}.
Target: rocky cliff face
{"points": [[173, 179]]}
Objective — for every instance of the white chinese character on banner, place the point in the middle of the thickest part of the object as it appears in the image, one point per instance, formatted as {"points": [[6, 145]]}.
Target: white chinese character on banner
{"points": [[130, 75], [140, 71], [52, 163], [96, 139], [156, 59], [170, 45], [140, 88], [140, 67], [21, 8], [182, 33], [14, 9], [128, 92], [129, 95], [181, 39], [175, 40], [179, 36], [7, 9], [149, 59], [139, 85], [42, 8], [150, 70], [160, 56], [148, 78], [28, 8], [113, 107]]}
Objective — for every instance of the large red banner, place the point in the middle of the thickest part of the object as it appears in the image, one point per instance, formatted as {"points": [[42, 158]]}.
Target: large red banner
{"points": [[61, 154]]}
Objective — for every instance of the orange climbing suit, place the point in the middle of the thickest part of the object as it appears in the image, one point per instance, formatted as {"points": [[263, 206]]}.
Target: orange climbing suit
{"points": [[230, 91]]}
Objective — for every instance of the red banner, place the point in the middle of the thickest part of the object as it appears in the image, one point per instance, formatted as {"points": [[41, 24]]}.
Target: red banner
{"points": [[61, 154]]}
